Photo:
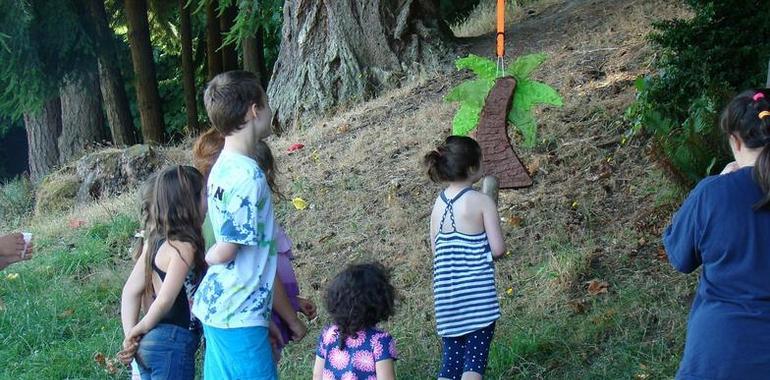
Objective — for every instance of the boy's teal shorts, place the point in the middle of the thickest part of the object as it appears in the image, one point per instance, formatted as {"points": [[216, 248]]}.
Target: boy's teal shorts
{"points": [[239, 353]]}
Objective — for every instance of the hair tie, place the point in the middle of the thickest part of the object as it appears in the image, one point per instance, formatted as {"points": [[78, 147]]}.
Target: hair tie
{"points": [[764, 114], [758, 96]]}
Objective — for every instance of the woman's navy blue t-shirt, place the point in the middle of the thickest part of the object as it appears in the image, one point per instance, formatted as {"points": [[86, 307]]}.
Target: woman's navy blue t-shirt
{"points": [[728, 332]]}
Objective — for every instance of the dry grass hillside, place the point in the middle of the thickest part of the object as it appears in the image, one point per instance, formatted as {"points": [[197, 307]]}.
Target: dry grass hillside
{"points": [[585, 291]]}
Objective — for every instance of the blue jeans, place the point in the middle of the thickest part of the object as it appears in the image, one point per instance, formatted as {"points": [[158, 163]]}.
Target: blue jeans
{"points": [[168, 352]]}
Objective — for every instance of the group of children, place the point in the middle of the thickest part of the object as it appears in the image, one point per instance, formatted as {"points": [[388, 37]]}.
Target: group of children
{"points": [[213, 262]]}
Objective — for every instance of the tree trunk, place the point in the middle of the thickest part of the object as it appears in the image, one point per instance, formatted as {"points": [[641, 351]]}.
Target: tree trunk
{"points": [[147, 95], [188, 71], [229, 55], [114, 95], [254, 57], [213, 40], [81, 117], [339, 51], [42, 130], [200, 50]]}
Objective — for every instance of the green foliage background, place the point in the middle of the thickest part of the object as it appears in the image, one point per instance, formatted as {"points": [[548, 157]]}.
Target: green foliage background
{"points": [[703, 62]]}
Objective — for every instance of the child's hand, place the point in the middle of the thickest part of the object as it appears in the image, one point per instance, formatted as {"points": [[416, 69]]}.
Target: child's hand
{"points": [[134, 335], [298, 330], [307, 307], [126, 355]]}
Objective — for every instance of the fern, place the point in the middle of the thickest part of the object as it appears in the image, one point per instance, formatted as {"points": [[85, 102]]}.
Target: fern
{"points": [[528, 94]]}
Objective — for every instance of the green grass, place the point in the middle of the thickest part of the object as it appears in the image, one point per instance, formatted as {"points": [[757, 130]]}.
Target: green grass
{"points": [[17, 198], [62, 309]]}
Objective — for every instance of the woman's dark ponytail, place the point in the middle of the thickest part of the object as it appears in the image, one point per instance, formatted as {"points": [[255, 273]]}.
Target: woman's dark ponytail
{"points": [[762, 166], [762, 176]]}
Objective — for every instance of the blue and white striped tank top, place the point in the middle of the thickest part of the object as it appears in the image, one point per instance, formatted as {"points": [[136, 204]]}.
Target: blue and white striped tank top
{"points": [[465, 298]]}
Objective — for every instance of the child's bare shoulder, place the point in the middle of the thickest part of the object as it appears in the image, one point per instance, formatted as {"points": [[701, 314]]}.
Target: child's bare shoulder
{"points": [[185, 249]]}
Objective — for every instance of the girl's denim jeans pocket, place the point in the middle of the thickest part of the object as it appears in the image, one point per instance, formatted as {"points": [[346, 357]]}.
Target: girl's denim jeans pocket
{"points": [[168, 352]]}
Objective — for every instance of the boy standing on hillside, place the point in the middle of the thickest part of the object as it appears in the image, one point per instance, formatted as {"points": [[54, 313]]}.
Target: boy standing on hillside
{"points": [[234, 299]]}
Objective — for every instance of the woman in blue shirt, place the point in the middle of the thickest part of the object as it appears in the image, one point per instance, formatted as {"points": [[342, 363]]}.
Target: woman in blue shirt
{"points": [[724, 226]]}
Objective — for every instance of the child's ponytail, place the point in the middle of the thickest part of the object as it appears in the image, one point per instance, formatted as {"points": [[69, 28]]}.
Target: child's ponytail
{"points": [[762, 166], [453, 160], [432, 162]]}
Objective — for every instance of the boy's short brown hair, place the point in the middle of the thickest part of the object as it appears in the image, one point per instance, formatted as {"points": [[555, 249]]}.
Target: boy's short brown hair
{"points": [[228, 97]]}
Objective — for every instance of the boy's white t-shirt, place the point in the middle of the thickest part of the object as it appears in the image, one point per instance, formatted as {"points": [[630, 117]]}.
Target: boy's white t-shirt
{"points": [[239, 293]]}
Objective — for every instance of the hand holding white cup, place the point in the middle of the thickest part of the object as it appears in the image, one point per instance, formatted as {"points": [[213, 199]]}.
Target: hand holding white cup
{"points": [[27, 240]]}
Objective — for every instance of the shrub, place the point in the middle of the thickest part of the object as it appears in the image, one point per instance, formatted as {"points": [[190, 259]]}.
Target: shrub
{"points": [[703, 62]]}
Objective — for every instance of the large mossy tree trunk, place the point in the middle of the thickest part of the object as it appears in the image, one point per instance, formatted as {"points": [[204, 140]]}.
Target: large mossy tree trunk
{"points": [[213, 40], [43, 128], [147, 94], [114, 95], [337, 52], [188, 70], [81, 115]]}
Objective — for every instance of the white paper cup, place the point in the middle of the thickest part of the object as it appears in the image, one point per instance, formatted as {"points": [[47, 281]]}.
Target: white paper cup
{"points": [[27, 240]]}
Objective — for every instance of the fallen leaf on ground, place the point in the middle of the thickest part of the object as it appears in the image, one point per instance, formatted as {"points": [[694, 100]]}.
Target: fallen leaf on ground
{"points": [[534, 166], [100, 359], [343, 128], [509, 291], [596, 287], [112, 366], [295, 147], [514, 221], [76, 223], [662, 255], [299, 203], [12, 276]]}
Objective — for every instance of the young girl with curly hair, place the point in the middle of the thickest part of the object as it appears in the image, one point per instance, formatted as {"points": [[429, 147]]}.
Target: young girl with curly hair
{"points": [[353, 347]]}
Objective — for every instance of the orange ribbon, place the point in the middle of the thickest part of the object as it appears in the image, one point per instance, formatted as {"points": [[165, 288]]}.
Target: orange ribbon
{"points": [[500, 28]]}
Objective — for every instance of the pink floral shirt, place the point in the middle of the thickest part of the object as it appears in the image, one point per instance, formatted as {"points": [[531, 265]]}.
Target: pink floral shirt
{"points": [[357, 360]]}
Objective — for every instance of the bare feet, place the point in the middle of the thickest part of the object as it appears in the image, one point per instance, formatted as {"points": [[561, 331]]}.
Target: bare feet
{"points": [[307, 307]]}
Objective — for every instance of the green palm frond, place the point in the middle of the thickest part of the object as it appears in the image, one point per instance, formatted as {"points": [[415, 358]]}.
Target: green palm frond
{"points": [[529, 93]]}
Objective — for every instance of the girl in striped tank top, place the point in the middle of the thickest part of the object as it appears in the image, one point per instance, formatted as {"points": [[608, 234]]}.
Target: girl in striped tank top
{"points": [[465, 236]]}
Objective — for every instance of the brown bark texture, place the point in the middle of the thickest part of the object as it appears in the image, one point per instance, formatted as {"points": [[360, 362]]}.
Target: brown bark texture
{"points": [[188, 70], [229, 54], [336, 52], [147, 95], [114, 97], [213, 40], [81, 115], [254, 57], [499, 159], [43, 128]]}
